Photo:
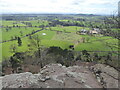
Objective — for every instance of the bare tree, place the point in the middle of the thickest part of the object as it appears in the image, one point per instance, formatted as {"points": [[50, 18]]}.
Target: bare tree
{"points": [[36, 42], [111, 22]]}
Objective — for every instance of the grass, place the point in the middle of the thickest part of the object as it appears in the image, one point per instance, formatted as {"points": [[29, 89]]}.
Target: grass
{"points": [[71, 37], [98, 44], [68, 28], [10, 23], [52, 38], [48, 36], [16, 32], [62, 44], [38, 22], [94, 46], [6, 52], [116, 30]]}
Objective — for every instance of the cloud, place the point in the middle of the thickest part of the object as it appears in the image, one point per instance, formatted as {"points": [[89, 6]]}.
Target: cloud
{"points": [[59, 6]]}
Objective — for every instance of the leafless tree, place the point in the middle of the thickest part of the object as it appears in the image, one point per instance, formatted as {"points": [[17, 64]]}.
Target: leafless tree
{"points": [[110, 22], [36, 42]]}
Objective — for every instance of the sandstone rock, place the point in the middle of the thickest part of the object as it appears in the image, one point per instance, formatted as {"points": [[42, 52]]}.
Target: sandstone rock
{"points": [[108, 76], [22, 80], [0, 83], [58, 76]]}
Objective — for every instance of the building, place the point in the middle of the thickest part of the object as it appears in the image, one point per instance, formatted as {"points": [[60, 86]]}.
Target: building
{"points": [[93, 32], [83, 32]]}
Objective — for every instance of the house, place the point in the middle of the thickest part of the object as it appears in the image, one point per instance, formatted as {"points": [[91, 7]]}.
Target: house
{"points": [[96, 29], [82, 31], [93, 32]]}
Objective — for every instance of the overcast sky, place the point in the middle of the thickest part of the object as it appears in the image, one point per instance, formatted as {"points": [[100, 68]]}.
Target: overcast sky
{"points": [[59, 6]]}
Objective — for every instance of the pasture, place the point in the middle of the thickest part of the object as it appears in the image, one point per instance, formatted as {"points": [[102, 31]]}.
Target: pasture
{"points": [[16, 31], [53, 37], [11, 23]]}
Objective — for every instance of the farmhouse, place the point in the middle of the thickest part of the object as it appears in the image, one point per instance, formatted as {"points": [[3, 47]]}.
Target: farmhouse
{"points": [[82, 31], [96, 29], [93, 32]]}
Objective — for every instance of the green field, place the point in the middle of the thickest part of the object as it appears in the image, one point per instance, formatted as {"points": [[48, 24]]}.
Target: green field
{"points": [[11, 23], [68, 28], [22, 31], [54, 38]]}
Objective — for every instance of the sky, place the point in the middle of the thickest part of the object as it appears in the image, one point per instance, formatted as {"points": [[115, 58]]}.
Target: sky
{"points": [[59, 6]]}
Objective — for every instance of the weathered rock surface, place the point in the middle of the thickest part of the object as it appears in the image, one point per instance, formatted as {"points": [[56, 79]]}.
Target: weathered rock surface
{"points": [[58, 76], [106, 75]]}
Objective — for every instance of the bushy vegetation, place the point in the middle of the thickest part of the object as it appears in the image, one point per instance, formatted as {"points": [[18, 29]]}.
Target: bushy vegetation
{"points": [[43, 56]]}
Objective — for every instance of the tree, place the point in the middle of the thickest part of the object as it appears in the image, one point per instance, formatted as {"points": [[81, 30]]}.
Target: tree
{"points": [[50, 28], [21, 33], [12, 37], [7, 29], [86, 55], [13, 48], [36, 42], [16, 60], [13, 25], [30, 37], [109, 56], [15, 37], [87, 39], [110, 22], [19, 41], [95, 57], [78, 57], [42, 26], [83, 39]]}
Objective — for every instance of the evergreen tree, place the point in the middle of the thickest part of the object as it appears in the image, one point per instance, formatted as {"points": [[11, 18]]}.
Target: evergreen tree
{"points": [[19, 41]]}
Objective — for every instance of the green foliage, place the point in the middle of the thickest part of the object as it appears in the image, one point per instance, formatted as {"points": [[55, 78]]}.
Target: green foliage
{"points": [[60, 55], [19, 41], [16, 60]]}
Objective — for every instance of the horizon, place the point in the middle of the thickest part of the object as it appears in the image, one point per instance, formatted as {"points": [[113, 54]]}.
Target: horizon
{"points": [[54, 14], [96, 7]]}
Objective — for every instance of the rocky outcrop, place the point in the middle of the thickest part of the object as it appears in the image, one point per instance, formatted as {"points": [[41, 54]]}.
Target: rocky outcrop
{"points": [[58, 76], [106, 75]]}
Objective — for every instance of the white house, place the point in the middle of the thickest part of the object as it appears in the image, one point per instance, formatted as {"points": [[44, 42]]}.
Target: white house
{"points": [[83, 31], [93, 32]]}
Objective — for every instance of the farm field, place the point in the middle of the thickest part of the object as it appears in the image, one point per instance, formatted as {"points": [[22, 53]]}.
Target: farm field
{"points": [[68, 28], [11, 23], [22, 31], [61, 36]]}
